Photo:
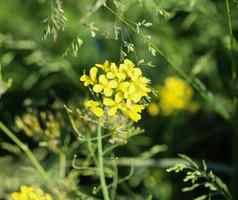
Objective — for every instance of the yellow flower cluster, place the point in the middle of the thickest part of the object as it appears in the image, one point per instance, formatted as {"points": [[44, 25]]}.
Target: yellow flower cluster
{"points": [[30, 193], [174, 95], [121, 88], [45, 127]]}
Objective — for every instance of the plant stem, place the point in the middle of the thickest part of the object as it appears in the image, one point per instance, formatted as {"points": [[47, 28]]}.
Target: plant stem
{"points": [[231, 47], [26, 150], [62, 164], [100, 164]]}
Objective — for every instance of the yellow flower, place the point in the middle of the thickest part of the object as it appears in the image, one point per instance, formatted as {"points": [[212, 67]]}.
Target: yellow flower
{"points": [[93, 106], [121, 89], [105, 85], [105, 67], [30, 193], [91, 79], [153, 109], [176, 94], [138, 89], [114, 105], [133, 111], [116, 72]]}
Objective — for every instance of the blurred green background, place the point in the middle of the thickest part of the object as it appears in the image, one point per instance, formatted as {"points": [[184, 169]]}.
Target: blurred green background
{"points": [[45, 72]]}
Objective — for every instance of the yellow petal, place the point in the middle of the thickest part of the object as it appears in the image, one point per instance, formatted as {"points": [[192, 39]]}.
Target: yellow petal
{"points": [[97, 111], [83, 78], [136, 97], [132, 88], [114, 67], [105, 66], [108, 92], [124, 86], [129, 63], [110, 75], [137, 72], [103, 79], [135, 116], [118, 97], [108, 102], [91, 103], [97, 88], [86, 80], [113, 84], [137, 108], [93, 73], [121, 76], [112, 111]]}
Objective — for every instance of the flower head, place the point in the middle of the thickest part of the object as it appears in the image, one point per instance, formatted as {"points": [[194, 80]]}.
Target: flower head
{"points": [[176, 94], [30, 193], [120, 88], [43, 126]]}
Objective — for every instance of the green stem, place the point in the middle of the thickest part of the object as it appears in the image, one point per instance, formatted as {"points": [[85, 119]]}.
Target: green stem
{"points": [[101, 165], [26, 150], [228, 13], [62, 163]]}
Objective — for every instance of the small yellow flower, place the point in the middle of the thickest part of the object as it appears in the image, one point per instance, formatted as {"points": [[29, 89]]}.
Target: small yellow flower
{"points": [[116, 72], [105, 85], [114, 105], [94, 107], [105, 67], [153, 109], [30, 193], [133, 111], [176, 94], [91, 79]]}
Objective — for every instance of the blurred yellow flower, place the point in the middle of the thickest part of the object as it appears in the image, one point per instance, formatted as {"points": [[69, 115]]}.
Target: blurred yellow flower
{"points": [[121, 89], [153, 109], [30, 193], [44, 127], [176, 94]]}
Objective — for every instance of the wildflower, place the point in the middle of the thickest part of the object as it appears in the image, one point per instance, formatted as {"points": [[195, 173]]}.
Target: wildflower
{"points": [[28, 123], [30, 193], [176, 94], [120, 88], [43, 126], [90, 80], [105, 85]]}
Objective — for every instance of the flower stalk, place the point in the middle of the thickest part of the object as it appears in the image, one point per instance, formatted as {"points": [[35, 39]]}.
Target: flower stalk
{"points": [[101, 164]]}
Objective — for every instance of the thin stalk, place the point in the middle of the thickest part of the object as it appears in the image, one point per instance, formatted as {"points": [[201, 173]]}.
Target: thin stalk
{"points": [[100, 164], [235, 161], [91, 150], [26, 150], [62, 164], [228, 13], [115, 180]]}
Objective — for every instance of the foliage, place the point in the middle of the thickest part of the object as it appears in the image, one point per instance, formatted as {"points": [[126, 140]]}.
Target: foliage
{"points": [[200, 176]]}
